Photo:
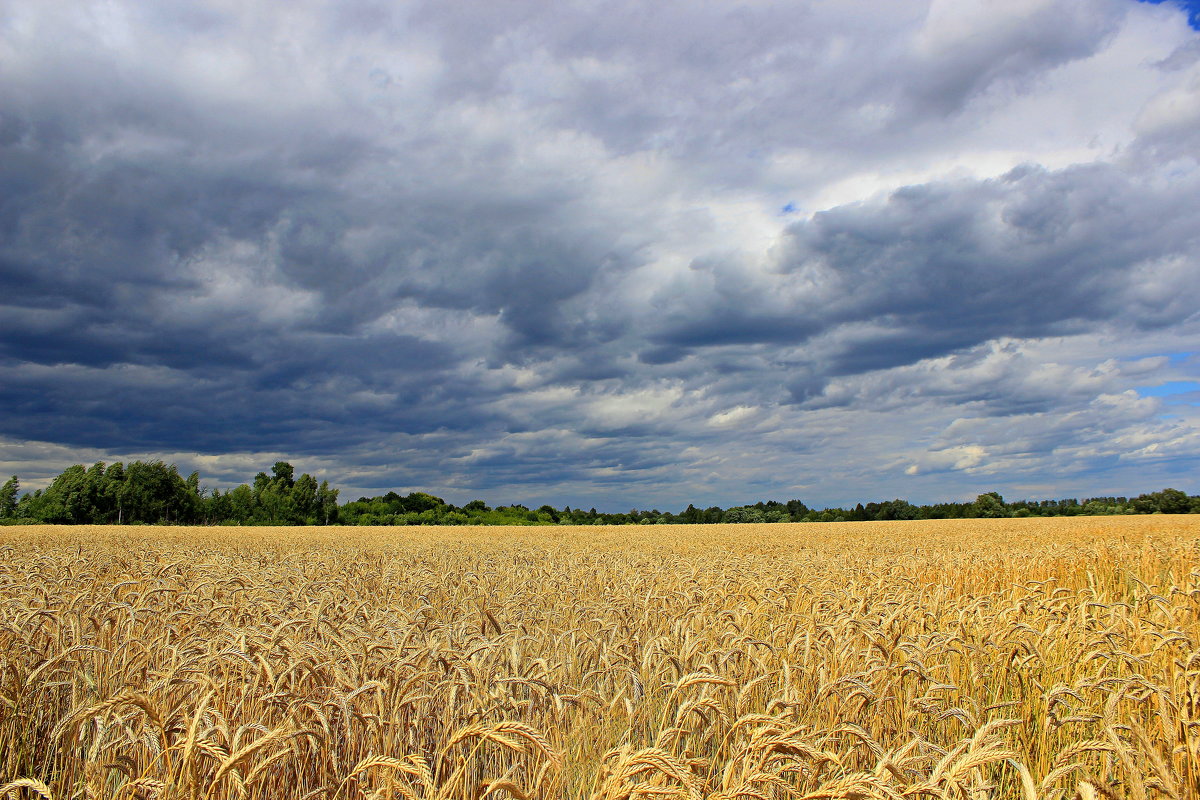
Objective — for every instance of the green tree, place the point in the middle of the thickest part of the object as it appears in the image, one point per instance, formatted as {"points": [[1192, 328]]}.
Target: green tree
{"points": [[1173, 501], [243, 504], [990, 504], [217, 508], [274, 505], [420, 502], [742, 514], [896, 509], [155, 492], [8, 497], [115, 489], [327, 500], [304, 500], [29, 506], [65, 500], [283, 472]]}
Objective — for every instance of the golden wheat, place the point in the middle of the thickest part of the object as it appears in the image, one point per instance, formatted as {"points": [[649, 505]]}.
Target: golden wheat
{"points": [[1036, 659]]}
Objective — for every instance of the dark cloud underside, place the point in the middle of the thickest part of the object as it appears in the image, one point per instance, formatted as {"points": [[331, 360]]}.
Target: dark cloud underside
{"points": [[512, 250]]}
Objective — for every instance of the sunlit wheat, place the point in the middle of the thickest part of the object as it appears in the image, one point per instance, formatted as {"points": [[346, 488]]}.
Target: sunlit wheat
{"points": [[1035, 659]]}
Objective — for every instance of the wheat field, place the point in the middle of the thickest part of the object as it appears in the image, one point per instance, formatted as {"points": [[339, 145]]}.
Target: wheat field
{"points": [[1033, 658]]}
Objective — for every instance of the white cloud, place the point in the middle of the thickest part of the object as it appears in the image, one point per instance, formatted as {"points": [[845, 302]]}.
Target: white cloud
{"points": [[511, 247]]}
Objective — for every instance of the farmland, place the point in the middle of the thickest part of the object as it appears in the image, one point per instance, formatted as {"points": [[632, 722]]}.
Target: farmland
{"points": [[1036, 658]]}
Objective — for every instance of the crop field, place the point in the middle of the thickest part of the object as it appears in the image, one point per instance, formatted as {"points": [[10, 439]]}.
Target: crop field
{"points": [[1014, 658]]}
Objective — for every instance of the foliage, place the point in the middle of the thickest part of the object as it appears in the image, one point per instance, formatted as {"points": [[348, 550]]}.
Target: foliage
{"points": [[8, 497], [154, 492]]}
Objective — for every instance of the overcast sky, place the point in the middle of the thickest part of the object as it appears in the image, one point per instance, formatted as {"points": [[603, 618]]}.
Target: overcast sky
{"points": [[621, 254]]}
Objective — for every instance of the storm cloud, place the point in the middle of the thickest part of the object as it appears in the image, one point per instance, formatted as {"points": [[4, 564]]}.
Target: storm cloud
{"points": [[627, 254]]}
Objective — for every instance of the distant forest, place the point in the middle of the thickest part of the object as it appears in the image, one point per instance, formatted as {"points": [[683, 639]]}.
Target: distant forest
{"points": [[153, 492]]}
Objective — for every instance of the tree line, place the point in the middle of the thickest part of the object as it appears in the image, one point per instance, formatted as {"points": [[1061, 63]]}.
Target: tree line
{"points": [[153, 492]]}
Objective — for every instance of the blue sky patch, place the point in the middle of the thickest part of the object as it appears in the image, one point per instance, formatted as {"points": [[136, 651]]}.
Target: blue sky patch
{"points": [[1191, 6], [1169, 389]]}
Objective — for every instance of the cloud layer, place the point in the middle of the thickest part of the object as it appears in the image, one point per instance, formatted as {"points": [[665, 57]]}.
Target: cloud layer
{"points": [[630, 254]]}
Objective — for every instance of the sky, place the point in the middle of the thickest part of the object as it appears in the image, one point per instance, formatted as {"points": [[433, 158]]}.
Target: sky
{"points": [[618, 254]]}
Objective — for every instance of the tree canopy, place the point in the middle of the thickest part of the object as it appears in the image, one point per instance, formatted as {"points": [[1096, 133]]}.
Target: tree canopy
{"points": [[143, 492]]}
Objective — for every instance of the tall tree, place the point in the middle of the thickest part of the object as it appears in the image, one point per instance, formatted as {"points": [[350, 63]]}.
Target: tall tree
{"points": [[304, 500], [990, 504], [283, 472], [115, 485], [327, 499], [8, 497]]}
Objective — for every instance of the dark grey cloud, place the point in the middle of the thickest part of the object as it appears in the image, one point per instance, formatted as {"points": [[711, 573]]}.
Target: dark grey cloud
{"points": [[937, 268], [1033, 253], [537, 252]]}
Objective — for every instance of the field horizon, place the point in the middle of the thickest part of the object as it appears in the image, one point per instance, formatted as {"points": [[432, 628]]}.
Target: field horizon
{"points": [[1135, 522]]}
